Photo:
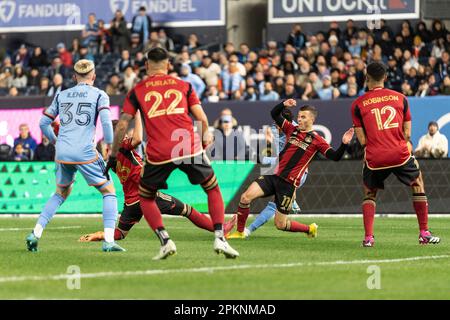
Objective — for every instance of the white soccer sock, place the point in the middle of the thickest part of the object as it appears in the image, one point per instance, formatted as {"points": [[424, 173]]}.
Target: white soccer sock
{"points": [[109, 234], [38, 229]]}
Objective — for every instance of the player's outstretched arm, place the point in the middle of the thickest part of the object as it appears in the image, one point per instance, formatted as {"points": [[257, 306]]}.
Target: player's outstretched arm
{"points": [[336, 155], [278, 109], [138, 131]]}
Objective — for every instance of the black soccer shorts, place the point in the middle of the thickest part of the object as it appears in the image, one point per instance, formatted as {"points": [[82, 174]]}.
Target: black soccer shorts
{"points": [[198, 169], [406, 174], [284, 191]]}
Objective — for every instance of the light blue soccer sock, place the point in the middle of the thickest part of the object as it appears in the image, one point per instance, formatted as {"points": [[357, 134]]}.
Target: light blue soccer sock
{"points": [[264, 216], [109, 215], [47, 213]]}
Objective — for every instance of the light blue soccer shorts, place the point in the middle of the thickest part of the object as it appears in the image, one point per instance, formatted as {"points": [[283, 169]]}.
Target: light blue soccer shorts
{"points": [[92, 173]]}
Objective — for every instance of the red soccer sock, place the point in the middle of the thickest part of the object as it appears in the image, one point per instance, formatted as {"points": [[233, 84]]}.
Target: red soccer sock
{"points": [[151, 213], [368, 208], [242, 215], [420, 204], [118, 235], [201, 220], [294, 226], [216, 208]]}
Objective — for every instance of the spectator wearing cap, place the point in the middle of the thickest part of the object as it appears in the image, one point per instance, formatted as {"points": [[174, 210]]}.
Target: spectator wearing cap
{"points": [[90, 34], [26, 140], [142, 25], [22, 56], [433, 144], [229, 143], [120, 36], [197, 83], [64, 55]]}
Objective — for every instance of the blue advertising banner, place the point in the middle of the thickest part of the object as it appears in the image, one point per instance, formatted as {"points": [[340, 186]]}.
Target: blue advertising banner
{"points": [[293, 11], [65, 15]]}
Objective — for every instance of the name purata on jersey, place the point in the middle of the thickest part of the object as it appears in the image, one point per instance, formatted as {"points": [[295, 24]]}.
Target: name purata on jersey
{"points": [[380, 99]]}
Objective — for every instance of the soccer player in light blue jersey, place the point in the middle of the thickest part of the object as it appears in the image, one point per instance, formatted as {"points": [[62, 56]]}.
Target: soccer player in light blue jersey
{"points": [[78, 109], [279, 140]]}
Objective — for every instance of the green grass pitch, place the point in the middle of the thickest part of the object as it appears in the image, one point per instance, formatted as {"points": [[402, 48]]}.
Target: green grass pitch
{"points": [[273, 264]]}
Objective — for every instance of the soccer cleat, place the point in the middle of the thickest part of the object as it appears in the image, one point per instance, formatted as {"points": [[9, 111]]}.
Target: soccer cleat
{"points": [[247, 232], [229, 225], [169, 249], [96, 236], [111, 247], [312, 231], [369, 241], [32, 242], [236, 235], [425, 237], [222, 246]]}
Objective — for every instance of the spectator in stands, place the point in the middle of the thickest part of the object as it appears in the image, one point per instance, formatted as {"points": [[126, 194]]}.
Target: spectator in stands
{"points": [[20, 153], [129, 79], [34, 78], [212, 95], [25, 140], [83, 53], [57, 85], [104, 38], [444, 65], [243, 53], [114, 86], [289, 91], [232, 81], [142, 24], [438, 30], [38, 59], [433, 144], [135, 45], [192, 42], [250, 94], [269, 94], [445, 87], [45, 151], [22, 57], [124, 62], [44, 86], [119, 32], [297, 38], [75, 48], [229, 143], [406, 89], [13, 92], [394, 75], [90, 34], [166, 42], [139, 64], [6, 76], [197, 83], [328, 92], [20, 78], [153, 41], [64, 55], [209, 71]]}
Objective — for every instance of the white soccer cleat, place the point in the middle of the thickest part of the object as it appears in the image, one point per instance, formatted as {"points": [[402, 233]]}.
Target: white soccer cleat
{"points": [[247, 232], [222, 246], [169, 249]]}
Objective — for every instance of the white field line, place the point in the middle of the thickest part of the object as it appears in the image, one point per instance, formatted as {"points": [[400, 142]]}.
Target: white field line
{"points": [[55, 228], [211, 269]]}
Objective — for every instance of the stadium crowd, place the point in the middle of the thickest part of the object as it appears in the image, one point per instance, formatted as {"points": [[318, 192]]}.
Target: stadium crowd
{"points": [[325, 65]]}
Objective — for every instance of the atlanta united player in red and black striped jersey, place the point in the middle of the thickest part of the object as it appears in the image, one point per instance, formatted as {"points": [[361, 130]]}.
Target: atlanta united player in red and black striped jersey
{"points": [[302, 144]]}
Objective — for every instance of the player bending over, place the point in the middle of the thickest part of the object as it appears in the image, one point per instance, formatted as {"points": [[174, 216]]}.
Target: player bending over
{"points": [[301, 146], [78, 108], [382, 122], [165, 103], [128, 169], [279, 141]]}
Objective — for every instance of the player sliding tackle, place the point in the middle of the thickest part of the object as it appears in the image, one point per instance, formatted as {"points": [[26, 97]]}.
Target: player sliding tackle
{"points": [[165, 103], [302, 145], [78, 108], [382, 121], [128, 169]]}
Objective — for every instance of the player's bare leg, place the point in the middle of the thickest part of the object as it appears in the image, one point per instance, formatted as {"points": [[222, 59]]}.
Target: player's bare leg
{"points": [[61, 194], [420, 203], [283, 223], [368, 209], [253, 192]]}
